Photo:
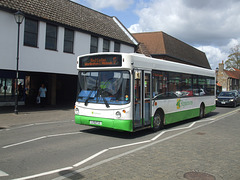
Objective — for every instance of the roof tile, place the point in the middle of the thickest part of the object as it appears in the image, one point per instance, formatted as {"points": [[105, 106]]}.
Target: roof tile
{"points": [[160, 43], [233, 74]]}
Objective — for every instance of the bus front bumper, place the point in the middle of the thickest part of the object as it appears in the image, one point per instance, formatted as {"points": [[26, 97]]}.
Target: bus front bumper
{"points": [[117, 124]]}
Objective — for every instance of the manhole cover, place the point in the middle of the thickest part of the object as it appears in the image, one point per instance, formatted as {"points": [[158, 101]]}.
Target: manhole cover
{"points": [[198, 176]]}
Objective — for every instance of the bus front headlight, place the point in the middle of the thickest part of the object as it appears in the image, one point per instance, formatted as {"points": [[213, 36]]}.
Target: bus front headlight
{"points": [[118, 114], [76, 111]]}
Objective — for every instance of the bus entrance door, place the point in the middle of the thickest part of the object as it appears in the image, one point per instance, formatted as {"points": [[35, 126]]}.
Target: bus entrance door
{"points": [[147, 98], [142, 99]]}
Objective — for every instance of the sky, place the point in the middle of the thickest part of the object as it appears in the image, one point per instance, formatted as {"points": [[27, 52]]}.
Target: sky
{"points": [[212, 26]]}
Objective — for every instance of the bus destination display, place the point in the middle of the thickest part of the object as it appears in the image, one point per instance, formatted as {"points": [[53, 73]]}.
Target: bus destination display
{"points": [[101, 61]]}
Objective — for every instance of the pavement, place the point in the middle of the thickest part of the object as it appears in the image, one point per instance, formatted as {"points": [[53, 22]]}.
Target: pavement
{"points": [[207, 151], [34, 114]]}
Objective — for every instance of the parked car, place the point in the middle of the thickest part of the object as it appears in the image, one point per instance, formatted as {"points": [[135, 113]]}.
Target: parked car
{"points": [[228, 98], [235, 92]]}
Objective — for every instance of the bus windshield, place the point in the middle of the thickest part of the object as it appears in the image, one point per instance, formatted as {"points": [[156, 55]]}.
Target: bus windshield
{"points": [[104, 87]]}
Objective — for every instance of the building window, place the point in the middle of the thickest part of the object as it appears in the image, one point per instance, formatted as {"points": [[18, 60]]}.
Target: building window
{"points": [[94, 44], [106, 45], [116, 47], [51, 37], [30, 32], [68, 41]]}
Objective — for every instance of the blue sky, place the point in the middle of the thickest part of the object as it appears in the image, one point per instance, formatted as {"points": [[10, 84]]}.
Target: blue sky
{"points": [[212, 26], [125, 12]]}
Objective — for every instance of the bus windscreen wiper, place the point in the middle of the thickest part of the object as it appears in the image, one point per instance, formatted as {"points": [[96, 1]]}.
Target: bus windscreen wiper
{"points": [[104, 100], [89, 95]]}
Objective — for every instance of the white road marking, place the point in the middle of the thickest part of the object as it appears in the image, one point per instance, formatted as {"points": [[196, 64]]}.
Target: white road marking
{"points": [[156, 137], [37, 124], [36, 139], [176, 129], [44, 174], [2, 174], [131, 144], [53, 122], [63, 134], [19, 127], [90, 158], [23, 142]]}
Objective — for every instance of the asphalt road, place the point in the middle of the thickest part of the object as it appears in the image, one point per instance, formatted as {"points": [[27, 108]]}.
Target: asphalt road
{"points": [[59, 149]]}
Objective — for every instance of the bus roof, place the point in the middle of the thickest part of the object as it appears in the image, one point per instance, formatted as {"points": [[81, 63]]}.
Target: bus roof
{"points": [[140, 61]]}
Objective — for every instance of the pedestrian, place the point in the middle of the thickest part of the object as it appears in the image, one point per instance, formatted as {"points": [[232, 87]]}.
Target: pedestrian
{"points": [[43, 95]]}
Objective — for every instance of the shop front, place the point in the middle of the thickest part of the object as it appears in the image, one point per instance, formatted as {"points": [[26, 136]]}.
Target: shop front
{"points": [[8, 88]]}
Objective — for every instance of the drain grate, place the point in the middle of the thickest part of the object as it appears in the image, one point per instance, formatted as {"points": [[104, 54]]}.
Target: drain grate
{"points": [[198, 176]]}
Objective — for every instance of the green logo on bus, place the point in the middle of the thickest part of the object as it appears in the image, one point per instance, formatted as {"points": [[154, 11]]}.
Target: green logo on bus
{"points": [[183, 103], [178, 103]]}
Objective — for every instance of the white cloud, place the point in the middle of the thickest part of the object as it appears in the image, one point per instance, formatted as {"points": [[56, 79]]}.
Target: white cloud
{"points": [[195, 22], [210, 25], [218, 54], [118, 5], [231, 44], [214, 55], [135, 28]]}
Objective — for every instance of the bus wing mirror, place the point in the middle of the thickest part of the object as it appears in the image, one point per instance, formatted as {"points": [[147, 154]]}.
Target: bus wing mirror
{"points": [[137, 74]]}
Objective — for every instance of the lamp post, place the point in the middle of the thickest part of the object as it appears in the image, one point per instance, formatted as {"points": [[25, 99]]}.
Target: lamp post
{"points": [[19, 19]]}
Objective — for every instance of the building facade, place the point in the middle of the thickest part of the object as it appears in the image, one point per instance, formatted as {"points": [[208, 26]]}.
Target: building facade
{"points": [[228, 79], [52, 35]]}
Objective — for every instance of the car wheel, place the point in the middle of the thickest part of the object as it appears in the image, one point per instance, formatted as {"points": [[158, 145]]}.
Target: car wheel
{"points": [[235, 104]]}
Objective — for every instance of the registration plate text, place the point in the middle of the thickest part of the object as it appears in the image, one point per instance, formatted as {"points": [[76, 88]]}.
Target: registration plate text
{"points": [[96, 122]]}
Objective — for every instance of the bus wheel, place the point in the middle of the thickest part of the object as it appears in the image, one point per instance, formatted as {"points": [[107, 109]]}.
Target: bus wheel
{"points": [[202, 111], [157, 121]]}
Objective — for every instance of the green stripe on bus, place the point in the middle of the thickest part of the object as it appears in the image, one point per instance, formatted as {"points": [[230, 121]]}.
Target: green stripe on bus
{"points": [[124, 125], [188, 114], [209, 109]]}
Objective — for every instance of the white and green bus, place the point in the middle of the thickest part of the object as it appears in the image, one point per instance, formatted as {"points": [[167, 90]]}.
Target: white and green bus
{"points": [[129, 92]]}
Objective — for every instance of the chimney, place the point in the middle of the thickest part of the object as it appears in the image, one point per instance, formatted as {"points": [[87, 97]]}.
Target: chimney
{"points": [[221, 67]]}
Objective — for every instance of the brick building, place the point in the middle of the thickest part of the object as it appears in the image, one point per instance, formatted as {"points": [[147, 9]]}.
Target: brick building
{"points": [[228, 79], [163, 46]]}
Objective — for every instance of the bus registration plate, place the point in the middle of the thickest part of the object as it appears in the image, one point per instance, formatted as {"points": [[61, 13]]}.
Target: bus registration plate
{"points": [[96, 122]]}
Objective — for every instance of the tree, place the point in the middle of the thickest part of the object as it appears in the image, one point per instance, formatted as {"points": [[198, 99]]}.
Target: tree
{"points": [[234, 58]]}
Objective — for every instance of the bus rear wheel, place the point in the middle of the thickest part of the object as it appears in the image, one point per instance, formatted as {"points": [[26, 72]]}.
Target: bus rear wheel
{"points": [[157, 121]]}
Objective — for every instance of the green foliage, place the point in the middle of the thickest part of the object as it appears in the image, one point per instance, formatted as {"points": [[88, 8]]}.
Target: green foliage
{"points": [[234, 58]]}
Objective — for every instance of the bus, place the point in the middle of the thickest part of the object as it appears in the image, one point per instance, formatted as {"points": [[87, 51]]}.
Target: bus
{"points": [[129, 91]]}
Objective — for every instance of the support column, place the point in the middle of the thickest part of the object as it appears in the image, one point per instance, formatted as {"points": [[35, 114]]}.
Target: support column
{"points": [[53, 89]]}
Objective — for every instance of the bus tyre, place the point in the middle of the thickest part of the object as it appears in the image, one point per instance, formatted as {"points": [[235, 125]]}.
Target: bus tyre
{"points": [[157, 121], [202, 111]]}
